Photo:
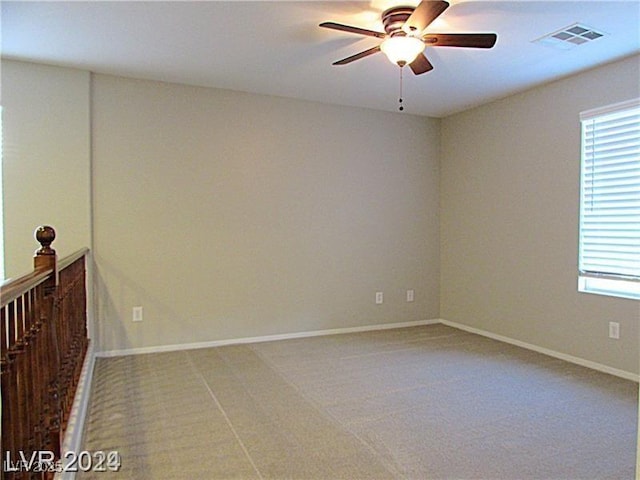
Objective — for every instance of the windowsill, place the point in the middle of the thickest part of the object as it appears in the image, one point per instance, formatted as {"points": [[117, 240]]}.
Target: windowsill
{"points": [[608, 287]]}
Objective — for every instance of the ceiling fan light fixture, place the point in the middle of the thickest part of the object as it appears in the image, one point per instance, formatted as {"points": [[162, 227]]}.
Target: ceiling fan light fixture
{"points": [[402, 50]]}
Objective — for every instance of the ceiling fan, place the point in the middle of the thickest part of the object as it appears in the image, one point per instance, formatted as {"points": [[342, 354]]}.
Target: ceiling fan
{"points": [[404, 42]]}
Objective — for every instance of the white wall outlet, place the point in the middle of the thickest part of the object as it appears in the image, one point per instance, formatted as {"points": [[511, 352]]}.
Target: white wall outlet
{"points": [[410, 295], [137, 314], [614, 330], [379, 298]]}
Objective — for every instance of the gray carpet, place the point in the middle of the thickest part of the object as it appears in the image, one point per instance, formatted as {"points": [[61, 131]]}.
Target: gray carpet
{"points": [[414, 403]]}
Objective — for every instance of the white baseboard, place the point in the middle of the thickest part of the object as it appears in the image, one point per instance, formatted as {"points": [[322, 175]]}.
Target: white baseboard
{"points": [[266, 338], [552, 353], [75, 425], [366, 328]]}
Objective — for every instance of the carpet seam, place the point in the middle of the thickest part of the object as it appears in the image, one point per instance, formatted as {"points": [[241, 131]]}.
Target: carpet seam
{"points": [[224, 414], [323, 412]]}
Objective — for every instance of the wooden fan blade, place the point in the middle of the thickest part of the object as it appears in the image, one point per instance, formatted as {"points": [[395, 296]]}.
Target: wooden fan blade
{"points": [[471, 40], [357, 30], [358, 56], [425, 13], [421, 65]]}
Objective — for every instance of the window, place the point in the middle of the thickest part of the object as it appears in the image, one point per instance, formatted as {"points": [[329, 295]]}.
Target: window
{"points": [[609, 249]]}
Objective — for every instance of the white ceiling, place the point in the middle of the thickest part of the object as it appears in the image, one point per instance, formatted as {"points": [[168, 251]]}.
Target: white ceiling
{"points": [[277, 48]]}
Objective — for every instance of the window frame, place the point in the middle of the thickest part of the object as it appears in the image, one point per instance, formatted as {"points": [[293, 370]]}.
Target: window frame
{"points": [[593, 281]]}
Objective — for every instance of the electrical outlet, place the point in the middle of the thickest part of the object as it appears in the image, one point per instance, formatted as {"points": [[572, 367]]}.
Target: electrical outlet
{"points": [[137, 314], [379, 298], [614, 330], [410, 295]]}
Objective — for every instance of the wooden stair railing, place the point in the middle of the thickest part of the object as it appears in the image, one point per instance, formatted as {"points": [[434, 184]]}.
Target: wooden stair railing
{"points": [[44, 343]]}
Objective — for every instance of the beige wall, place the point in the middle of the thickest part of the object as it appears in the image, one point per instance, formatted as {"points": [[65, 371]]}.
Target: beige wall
{"points": [[509, 220], [231, 215], [46, 163], [293, 214]]}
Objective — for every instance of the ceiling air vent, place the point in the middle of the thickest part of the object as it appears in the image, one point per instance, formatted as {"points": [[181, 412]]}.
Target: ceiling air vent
{"points": [[570, 37]]}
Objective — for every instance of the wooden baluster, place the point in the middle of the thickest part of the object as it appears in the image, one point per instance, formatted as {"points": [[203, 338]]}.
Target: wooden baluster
{"points": [[81, 318], [39, 368], [63, 336], [78, 320], [23, 423], [8, 390], [26, 376], [44, 349], [69, 353], [32, 374], [14, 427]]}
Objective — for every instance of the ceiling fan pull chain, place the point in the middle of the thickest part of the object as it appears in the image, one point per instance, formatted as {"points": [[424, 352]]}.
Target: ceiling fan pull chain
{"points": [[401, 108]]}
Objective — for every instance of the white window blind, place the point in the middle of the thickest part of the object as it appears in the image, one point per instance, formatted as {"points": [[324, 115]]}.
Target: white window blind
{"points": [[610, 194]]}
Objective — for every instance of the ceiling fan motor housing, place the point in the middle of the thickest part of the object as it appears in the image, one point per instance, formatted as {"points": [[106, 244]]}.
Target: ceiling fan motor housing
{"points": [[394, 18]]}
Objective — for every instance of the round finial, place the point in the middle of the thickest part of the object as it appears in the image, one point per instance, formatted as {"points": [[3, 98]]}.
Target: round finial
{"points": [[45, 236]]}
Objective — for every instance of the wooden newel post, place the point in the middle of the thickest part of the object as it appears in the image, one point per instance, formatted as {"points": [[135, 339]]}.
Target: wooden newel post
{"points": [[45, 257]]}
